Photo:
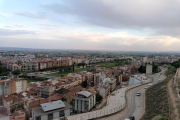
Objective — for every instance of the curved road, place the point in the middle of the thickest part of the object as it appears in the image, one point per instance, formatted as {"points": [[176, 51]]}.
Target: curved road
{"points": [[137, 103]]}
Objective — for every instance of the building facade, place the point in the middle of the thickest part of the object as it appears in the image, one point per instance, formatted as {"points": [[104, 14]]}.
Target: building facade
{"points": [[83, 102]]}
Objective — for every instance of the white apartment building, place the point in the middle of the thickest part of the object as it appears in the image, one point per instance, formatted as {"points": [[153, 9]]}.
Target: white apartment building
{"points": [[83, 102]]}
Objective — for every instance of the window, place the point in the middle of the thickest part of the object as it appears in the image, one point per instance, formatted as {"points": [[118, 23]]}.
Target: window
{"points": [[61, 113], [38, 118], [50, 116]]}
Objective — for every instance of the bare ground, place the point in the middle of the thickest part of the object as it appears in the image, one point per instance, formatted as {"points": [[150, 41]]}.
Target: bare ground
{"points": [[173, 101]]}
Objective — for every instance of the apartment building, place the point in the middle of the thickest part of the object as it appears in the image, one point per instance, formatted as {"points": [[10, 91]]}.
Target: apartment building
{"points": [[104, 90], [112, 83], [51, 110], [42, 65], [49, 64], [12, 86], [83, 102], [97, 78], [29, 66]]}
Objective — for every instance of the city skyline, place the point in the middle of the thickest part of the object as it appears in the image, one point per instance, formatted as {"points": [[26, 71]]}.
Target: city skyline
{"points": [[119, 25]]}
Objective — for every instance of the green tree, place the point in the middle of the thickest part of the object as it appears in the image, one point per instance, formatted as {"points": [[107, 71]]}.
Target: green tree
{"points": [[24, 74], [16, 72], [84, 84], [4, 71], [98, 97], [142, 69]]}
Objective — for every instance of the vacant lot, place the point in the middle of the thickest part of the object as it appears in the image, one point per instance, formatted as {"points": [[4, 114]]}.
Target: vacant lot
{"points": [[58, 74]]}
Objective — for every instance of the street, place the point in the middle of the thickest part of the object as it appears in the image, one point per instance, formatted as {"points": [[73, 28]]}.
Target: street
{"points": [[136, 106]]}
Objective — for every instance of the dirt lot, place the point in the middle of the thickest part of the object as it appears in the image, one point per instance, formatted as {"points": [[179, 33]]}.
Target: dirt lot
{"points": [[173, 101]]}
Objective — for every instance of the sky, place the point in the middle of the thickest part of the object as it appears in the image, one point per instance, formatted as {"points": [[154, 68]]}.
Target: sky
{"points": [[114, 25]]}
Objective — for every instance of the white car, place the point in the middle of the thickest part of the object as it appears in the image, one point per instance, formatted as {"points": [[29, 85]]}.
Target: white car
{"points": [[138, 94]]}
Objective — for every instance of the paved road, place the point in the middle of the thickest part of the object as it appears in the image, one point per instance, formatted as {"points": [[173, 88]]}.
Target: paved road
{"points": [[137, 104]]}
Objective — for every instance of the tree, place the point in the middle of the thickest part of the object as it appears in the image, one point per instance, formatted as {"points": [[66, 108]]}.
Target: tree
{"points": [[73, 67], [84, 84], [142, 69], [4, 71], [16, 72], [60, 70], [98, 97], [81, 64], [24, 74]]}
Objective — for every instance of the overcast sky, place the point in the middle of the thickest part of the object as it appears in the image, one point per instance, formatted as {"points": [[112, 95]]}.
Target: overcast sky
{"points": [[121, 25]]}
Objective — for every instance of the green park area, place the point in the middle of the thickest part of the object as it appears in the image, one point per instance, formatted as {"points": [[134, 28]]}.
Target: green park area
{"points": [[58, 74], [108, 65]]}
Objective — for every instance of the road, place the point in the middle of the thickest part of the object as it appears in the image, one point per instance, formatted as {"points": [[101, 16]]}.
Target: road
{"points": [[136, 106]]}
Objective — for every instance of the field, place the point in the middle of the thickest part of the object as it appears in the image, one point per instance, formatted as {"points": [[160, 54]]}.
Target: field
{"points": [[57, 74], [157, 104], [108, 65]]}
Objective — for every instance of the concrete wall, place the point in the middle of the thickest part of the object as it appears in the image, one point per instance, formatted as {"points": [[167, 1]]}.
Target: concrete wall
{"points": [[56, 115], [67, 112], [102, 92], [148, 68], [5, 118], [133, 81], [44, 117]]}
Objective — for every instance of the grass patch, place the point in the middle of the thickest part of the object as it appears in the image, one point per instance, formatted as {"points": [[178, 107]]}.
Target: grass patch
{"points": [[58, 74], [157, 101], [108, 65], [159, 117], [32, 80]]}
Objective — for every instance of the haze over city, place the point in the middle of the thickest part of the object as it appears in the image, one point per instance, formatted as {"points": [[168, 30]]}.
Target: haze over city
{"points": [[121, 25]]}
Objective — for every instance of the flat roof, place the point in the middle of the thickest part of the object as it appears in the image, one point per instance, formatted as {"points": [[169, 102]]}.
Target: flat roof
{"points": [[39, 111], [86, 99], [84, 93], [52, 105]]}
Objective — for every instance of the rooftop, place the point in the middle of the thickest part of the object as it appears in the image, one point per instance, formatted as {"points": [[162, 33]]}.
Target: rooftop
{"points": [[52, 105], [85, 93], [3, 112], [39, 111]]}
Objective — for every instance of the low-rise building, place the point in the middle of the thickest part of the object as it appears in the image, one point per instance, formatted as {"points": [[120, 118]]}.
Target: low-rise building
{"points": [[4, 114], [51, 110], [18, 114]]}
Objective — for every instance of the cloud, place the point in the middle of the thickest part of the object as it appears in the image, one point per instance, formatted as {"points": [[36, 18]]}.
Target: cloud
{"points": [[122, 13], [95, 41], [9, 32], [32, 14], [5, 14]]}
